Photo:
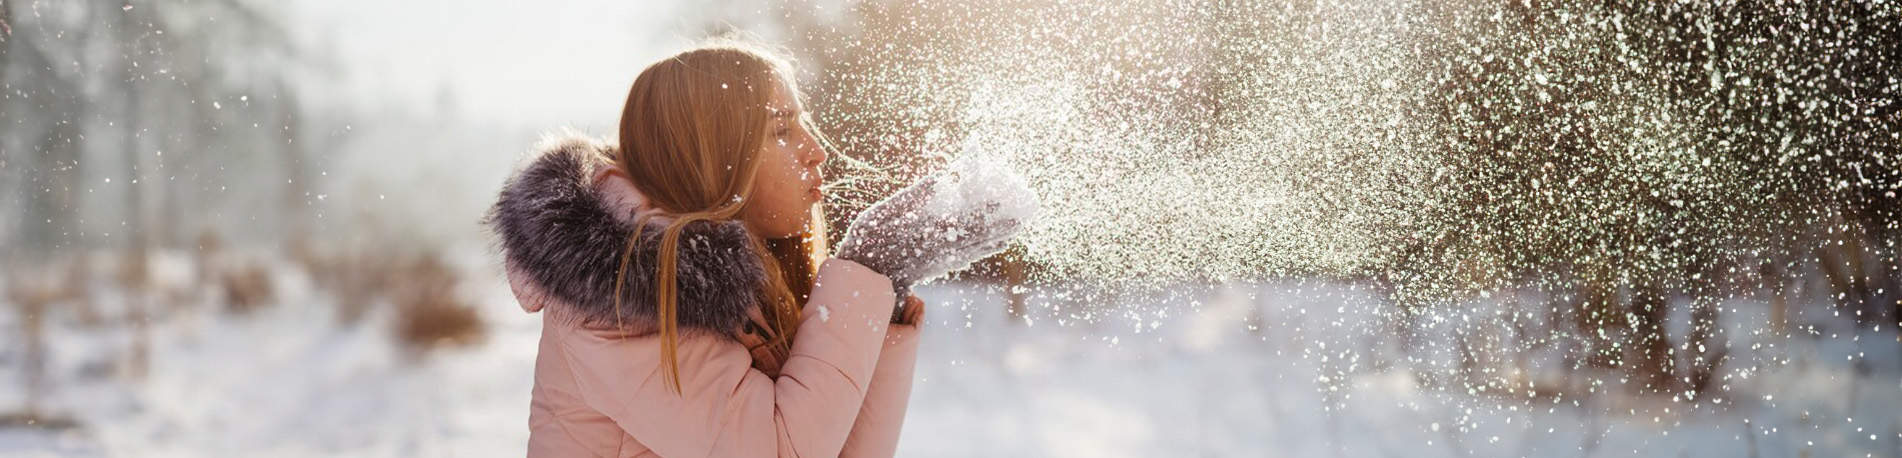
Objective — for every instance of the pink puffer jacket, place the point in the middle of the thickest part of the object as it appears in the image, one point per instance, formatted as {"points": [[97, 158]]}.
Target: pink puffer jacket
{"points": [[599, 389]]}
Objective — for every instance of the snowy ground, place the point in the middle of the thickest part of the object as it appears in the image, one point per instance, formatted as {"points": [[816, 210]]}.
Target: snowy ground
{"points": [[1316, 377]]}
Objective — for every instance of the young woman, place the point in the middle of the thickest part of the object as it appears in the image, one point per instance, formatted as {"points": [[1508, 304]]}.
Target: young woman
{"points": [[690, 308]]}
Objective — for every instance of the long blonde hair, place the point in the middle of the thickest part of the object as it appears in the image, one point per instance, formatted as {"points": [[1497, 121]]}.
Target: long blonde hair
{"points": [[690, 139]]}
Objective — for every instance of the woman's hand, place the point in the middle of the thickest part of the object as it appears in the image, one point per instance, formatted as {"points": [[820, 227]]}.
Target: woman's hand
{"points": [[944, 222], [912, 313]]}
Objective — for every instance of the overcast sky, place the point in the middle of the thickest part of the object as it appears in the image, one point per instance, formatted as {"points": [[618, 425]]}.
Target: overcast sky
{"points": [[546, 62]]}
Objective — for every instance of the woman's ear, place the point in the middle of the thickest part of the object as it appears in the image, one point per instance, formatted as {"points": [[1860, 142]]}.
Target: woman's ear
{"points": [[618, 186], [605, 171]]}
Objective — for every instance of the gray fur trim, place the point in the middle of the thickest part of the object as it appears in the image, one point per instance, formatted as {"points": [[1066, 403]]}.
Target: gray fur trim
{"points": [[553, 225]]}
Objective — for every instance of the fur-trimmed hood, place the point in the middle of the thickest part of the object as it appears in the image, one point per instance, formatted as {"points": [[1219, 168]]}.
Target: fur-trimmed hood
{"points": [[563, 226]]}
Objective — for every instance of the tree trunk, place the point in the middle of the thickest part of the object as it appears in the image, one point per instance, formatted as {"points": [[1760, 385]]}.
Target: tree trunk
{"points": [[33, 313], [51, 220], [7, 130], [1650, 362], [298, 185], [1598, 324], [6, 39], [1014, 278], [138, 247], [51, 165], [1706, 347]]}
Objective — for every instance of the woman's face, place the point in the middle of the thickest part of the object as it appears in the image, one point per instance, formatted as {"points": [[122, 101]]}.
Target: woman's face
{"points": [[788, 182]]}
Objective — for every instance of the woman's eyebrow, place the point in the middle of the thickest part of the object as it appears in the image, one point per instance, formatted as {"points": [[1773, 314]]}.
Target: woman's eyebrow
{"points": [[785, 113]]}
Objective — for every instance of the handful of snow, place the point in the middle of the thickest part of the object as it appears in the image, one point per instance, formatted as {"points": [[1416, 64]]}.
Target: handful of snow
{"points": [[972, 182], [985, 187], [941, 223]]}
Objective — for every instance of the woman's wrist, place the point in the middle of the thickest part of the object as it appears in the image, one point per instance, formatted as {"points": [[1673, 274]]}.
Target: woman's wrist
{"points": [[903, 293], [910, 310]]}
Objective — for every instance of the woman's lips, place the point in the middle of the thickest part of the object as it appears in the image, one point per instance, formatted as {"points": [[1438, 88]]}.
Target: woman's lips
{"points": [[815, 194]]}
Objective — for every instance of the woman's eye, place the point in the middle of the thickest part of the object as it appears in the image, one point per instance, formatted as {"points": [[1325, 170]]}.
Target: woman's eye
{"points": [[783, 131]]}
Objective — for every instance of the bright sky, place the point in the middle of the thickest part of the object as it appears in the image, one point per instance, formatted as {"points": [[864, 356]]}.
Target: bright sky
{"points": [[545, 62]]}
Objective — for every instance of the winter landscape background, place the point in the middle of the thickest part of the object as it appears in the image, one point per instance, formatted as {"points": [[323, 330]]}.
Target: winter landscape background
{"points": [[1284, 228]]}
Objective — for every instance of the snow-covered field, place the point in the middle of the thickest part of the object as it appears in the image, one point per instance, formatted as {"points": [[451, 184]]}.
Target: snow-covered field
{"points": [[1180, 374]]}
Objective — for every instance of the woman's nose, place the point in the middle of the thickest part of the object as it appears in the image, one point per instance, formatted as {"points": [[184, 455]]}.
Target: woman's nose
{"points": [[817, 154]]}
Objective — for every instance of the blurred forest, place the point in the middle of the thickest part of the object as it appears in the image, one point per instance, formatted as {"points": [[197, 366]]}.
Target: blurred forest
{"points": [[104, 82], [158, 156]]}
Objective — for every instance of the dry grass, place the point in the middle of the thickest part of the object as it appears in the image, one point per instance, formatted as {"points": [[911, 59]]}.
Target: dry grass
{"points": [[247, 287], [420, 287], [429, 313], [429, 322], [357, 278]]}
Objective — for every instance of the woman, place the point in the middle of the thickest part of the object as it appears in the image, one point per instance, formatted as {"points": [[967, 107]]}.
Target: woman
{"points": [[690, 309]]}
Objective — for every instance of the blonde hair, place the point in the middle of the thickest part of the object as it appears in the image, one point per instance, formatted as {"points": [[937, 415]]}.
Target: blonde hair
{"points": [[690, 140]]}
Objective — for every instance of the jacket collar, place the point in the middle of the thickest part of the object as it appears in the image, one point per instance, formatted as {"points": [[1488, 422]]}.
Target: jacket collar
{"points": [[563, 220]]}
